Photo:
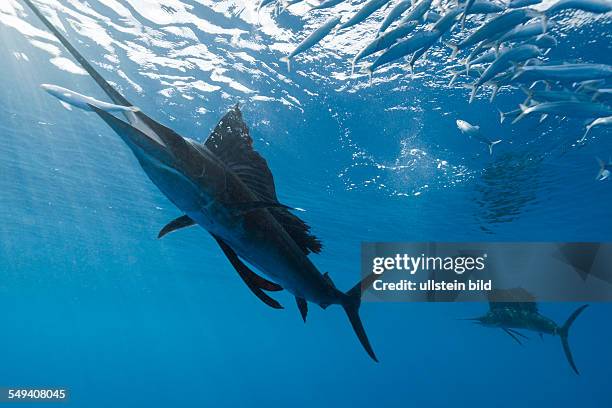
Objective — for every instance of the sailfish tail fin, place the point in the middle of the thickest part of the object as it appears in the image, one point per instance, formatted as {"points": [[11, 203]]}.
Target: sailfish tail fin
{"points": [[106, 87], [351, 306], [563, 334]]}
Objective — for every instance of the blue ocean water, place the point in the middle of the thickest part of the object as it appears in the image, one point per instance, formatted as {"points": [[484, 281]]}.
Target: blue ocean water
{"points": [[92, 301]]}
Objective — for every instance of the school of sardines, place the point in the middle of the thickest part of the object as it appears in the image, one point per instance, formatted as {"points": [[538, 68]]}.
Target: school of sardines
{"points": [[507, 47]]}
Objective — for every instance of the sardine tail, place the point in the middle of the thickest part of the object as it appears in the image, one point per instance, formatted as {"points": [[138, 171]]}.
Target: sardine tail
{"points": [[287, 61], [586, 133], [474, 89], [602, 168], [353, 62], [463, 17], [517, 73], [494, 93], [522, 115], [502, 116], [369, 71], [493, 144], [544, 23], [454, 48]]}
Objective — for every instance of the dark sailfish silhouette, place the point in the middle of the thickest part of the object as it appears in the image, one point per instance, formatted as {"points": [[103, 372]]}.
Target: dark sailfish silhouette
{"points": [[513, 316], [226, 187]]}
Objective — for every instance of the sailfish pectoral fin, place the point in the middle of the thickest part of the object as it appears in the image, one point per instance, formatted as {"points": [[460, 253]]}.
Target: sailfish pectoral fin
{"points": [[512, 334], [254, 282], [518, 333], [181, 222], [302, 306]]}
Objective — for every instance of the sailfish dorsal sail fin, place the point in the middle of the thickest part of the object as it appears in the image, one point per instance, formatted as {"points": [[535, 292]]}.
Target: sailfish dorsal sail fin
{"points": [[513, 298], [231, 142]]}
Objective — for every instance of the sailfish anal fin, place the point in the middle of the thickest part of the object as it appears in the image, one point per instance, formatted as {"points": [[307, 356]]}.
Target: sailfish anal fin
{"points": [[254, 282], [181, 222], [302, 306], [244, 271]]}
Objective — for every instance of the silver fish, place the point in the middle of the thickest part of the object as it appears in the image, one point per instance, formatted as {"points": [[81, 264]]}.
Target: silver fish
{"points": [[496, 26], [505, 79], [505, 60], [590, 85], [605, 121], [545, 95], [384, 41], [312, 39], [487, 56], [474, 132], [602, 94], [327, 4], [405, 47], [522, 3], [544, 41], [475, 73], [366, 11], [431, 17], [564, 73], [604, 169], [523, 32], [417, 11], [566, 108], [395, 13], [592, 6], [485, 7], [444, 24], [511, 114], [479, 7], [468, 7], [448, 20]]}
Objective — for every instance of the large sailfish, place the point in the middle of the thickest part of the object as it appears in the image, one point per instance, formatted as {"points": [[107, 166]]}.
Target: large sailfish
{"points": [[224, 186]]}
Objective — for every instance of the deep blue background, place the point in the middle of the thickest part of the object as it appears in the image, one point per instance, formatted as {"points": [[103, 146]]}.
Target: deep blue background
{"points": [[92, 301]]}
